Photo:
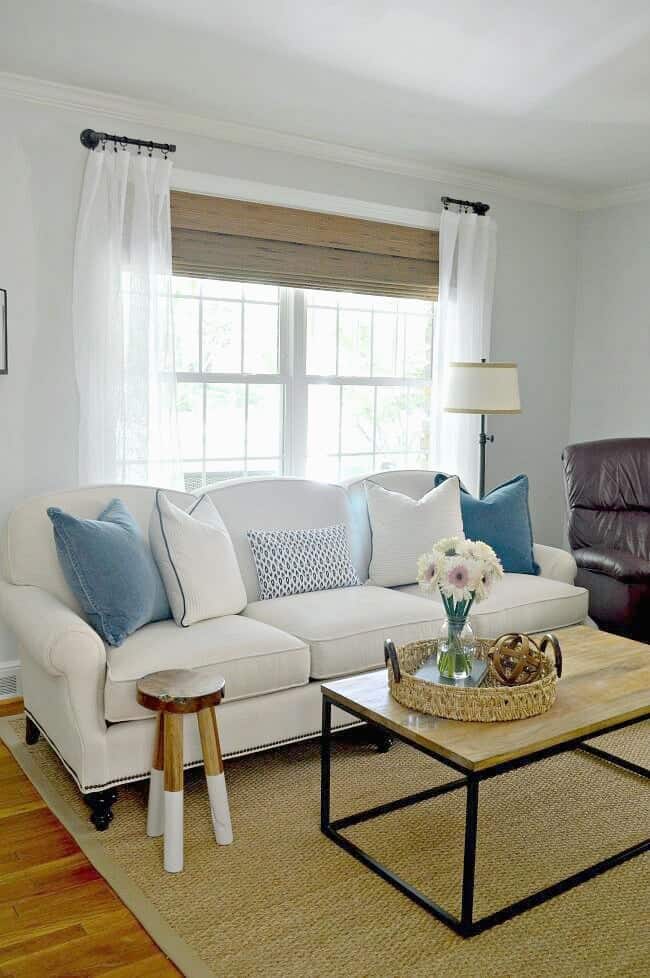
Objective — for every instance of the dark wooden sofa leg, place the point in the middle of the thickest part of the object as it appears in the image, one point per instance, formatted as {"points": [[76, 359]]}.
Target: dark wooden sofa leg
{"points": [[381, 739], [32, 733], [101, 805]]}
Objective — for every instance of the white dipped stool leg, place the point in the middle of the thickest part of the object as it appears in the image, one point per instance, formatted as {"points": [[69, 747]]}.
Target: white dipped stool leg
{"points": [[173, 859], [215, 776], [155, 810], [173, 792]]}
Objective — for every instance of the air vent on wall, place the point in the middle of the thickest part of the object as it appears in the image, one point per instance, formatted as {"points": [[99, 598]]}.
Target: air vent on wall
{"points": [[9, 680]]}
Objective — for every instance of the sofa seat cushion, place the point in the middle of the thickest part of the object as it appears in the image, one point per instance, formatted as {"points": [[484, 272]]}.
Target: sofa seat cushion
{"points": [[253, 657], [345, 628], [523, 603]]}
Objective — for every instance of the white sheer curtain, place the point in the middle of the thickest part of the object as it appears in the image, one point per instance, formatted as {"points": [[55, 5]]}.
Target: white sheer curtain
{"points": [[467, 256], [122, 322]]}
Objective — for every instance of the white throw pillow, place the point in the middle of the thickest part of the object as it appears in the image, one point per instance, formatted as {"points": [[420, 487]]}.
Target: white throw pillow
{"points": [[196, 560], [403, 528]]}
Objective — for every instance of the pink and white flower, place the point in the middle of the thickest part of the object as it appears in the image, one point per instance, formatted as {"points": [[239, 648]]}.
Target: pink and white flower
{"points": [[457, 576], [464, 571], [428, 570]]}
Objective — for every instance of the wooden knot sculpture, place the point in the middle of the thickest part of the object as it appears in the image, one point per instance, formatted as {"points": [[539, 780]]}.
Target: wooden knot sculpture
{"points": [[517, 659]]}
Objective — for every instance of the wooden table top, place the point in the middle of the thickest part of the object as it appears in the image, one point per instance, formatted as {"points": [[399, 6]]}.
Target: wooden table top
{"points": [[605, 681], [181, 690]]}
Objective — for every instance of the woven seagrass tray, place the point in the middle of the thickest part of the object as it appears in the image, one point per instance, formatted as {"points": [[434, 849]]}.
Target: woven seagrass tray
{"points": [[483, 704]]}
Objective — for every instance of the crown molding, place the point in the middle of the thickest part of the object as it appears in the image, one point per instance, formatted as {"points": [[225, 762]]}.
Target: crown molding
{"points": [[157, 116], [154, 115]]}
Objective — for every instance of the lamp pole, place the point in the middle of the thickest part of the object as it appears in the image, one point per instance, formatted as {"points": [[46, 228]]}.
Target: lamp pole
{"points": [[483, 439]]}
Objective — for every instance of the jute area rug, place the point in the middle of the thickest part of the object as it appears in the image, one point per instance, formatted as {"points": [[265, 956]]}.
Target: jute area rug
{"points": [[285, 902]]}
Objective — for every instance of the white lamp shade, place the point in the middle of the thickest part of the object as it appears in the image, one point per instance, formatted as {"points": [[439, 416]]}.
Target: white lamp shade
{"points": [[482, 388]]}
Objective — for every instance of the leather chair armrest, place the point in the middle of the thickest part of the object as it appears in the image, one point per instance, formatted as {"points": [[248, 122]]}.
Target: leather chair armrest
{"points": [[619, 564], [53, 634], [556, 564]]}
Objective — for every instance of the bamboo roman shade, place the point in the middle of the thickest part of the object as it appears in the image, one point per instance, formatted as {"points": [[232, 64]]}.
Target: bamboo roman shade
{"points": [[215, 237]]}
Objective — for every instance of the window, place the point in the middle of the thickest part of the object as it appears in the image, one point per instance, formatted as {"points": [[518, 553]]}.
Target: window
{"points": [[275, 380]]}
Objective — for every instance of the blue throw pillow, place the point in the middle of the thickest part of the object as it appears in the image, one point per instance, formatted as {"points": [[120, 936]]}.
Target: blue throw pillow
{"points": [[111, 571], [502, 519]]}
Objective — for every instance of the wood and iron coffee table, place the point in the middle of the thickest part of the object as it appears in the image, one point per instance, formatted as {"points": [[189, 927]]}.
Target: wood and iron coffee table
{"points": [[605, 686]]}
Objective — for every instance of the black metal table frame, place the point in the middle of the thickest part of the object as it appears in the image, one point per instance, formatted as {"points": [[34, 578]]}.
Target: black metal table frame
{"points": [[466, 926]]}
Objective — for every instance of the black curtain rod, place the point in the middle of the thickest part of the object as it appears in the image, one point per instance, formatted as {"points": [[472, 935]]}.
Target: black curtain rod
{"points": [[476, 205], [91, 140]]}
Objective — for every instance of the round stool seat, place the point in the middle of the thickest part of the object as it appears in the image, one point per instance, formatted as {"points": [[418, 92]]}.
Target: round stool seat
{"points": [[181, 690]]}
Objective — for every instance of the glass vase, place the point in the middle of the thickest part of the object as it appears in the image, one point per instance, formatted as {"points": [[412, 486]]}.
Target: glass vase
{"points": [[456, 648]]}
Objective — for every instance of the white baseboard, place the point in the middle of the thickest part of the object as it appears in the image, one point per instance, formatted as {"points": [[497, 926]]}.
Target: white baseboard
{"points": [[10, 684]]}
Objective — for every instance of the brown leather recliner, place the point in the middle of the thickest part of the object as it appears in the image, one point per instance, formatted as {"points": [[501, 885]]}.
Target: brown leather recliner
{"points": [[608, 494]]}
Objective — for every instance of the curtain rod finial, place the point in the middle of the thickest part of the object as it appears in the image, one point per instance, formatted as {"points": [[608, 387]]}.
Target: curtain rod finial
{"points": [[89, 138]]}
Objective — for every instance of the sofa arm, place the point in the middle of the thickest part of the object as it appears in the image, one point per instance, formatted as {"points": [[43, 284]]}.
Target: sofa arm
{"points": [[51, 633], [556, 564], [619, 564], [64, 664]]}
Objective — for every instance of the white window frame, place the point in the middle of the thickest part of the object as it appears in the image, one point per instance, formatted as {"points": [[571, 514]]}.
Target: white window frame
{"points": [[302, 382], [280, 379], [295, 382]]}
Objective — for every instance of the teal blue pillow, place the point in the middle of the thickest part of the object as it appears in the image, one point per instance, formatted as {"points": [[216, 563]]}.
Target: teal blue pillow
{"points": [[109, 567], [502, 519]]}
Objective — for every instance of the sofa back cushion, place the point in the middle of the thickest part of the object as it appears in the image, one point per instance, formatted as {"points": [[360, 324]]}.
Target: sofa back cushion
{"points": [[28, 548], [28, 553], [278, 504], [608, 494], [411, 482]]}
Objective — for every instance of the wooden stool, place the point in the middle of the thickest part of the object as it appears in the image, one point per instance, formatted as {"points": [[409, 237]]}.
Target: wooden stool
{"points": [[172, 693]]}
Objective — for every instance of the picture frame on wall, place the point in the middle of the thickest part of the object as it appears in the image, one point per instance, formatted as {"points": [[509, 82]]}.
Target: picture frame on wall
{"points": [[4, 345]]}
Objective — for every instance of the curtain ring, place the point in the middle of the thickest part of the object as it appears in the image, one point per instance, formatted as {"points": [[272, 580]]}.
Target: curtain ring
{"points": [[150, 150], [103, 145], [124, 144]]}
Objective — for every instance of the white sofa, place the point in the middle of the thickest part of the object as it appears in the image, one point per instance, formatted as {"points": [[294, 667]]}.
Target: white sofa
{"points": [[80, 693]]}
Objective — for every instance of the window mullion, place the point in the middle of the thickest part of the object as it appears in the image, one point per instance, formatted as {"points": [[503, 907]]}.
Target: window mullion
{"points": [[340, 433], [374, 426], [297, 393], [246, 388], [204, 420]]}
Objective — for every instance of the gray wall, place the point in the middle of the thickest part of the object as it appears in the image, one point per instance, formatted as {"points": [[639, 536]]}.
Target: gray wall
{"points": [[611, 371], [41, 171]]}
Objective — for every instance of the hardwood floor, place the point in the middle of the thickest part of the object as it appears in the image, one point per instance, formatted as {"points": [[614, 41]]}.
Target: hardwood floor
{"points": [[58, 917]]}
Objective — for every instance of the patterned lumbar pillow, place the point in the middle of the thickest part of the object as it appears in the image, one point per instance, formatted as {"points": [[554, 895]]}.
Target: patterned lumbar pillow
{"points": [[197, 561], [402, 526], [296, 561]]}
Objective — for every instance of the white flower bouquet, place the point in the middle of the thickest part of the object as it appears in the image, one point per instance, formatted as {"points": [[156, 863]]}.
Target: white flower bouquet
{"points": [[464, 571]]}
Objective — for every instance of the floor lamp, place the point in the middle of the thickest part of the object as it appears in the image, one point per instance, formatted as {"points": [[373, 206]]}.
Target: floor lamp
{"points": [[482, 388]]}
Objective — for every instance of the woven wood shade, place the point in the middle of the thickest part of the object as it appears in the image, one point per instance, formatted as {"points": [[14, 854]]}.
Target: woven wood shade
{"points": [[214, 237]]}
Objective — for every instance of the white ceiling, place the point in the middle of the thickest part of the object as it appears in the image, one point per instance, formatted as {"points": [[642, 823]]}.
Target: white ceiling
{"points": [[555, 92]]}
